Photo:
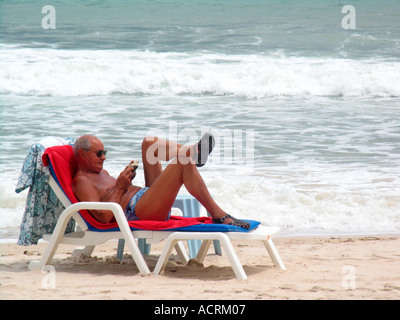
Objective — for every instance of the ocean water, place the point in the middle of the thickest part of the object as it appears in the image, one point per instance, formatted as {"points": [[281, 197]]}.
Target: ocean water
{"points": [[305, 111]]}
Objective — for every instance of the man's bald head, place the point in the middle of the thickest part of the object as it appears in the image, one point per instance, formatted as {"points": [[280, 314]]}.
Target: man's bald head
{"points": [[84, 142]]}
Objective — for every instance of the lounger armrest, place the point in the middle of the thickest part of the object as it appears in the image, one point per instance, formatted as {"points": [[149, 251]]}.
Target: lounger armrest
{"points": [[91, 205], [111, 206], [74, 208]]}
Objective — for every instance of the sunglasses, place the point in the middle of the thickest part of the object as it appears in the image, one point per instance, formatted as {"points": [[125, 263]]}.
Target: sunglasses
{"points": [[98, 153]]}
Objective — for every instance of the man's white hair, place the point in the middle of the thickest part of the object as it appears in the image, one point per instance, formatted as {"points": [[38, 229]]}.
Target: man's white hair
{"points": [[82, 143]]}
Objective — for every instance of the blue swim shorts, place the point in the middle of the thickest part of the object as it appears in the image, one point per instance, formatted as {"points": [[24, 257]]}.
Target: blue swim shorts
{"points": [[130, 208], [130, 213]]}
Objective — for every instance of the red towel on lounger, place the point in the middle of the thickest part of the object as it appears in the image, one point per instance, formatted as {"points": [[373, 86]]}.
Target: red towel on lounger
{"points": [[63, 163]]}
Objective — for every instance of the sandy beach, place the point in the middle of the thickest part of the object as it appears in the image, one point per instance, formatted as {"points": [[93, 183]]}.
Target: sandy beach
{"points": [[345, 267]]}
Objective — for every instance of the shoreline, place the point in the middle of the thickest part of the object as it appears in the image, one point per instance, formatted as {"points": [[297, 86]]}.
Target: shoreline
{"points": [[285, 233], [327, 268]]}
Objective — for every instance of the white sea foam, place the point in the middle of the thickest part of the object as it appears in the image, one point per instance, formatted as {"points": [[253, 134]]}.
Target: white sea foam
{"points": [[321, 163], [46, 71], [11, 204], [287, 204], [296, 197]]}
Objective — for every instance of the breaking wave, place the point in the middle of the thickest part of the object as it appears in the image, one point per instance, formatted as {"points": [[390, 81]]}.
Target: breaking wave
{"points": [[46, 71]]}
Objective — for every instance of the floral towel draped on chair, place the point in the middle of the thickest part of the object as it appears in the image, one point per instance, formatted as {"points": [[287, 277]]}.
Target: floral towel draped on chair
{"points": [[42, 206]]}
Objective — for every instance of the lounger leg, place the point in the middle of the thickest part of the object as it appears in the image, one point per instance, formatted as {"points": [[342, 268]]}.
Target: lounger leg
{"points": [[163, 259], [48, 253], [182, 253], [201, 255], [224, 240], [120, 249], [55, 240], [194, 246], [217, 248], [143, 246], [86, 251], [137, 256], [273, 253], [232, 257]]}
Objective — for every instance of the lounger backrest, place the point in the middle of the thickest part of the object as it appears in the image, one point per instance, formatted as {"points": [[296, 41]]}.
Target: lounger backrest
{"points": [[61, 174], [66, 202]]}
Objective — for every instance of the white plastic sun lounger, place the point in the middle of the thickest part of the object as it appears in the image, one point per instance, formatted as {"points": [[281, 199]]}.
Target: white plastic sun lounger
{"points": [[89, 239], [173, 238]]}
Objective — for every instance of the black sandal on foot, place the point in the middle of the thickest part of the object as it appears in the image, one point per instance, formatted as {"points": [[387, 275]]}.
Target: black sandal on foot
{"points": [[235, 222], [204, 146]]}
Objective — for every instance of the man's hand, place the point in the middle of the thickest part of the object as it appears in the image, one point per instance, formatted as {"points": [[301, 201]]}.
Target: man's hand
{"points": [[125, 178]]}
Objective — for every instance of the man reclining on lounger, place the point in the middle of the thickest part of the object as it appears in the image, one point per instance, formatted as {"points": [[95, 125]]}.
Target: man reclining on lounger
{"points": [[154, 202]]}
